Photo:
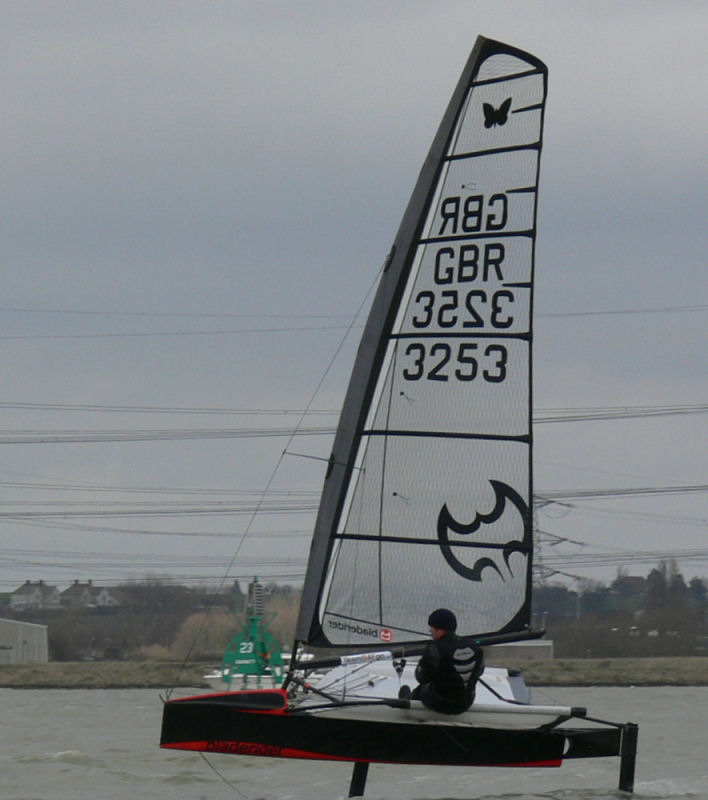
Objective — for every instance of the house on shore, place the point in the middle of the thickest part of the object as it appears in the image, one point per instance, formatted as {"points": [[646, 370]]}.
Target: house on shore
{"points": [[87, 596], [39, 596], [35, 595]]}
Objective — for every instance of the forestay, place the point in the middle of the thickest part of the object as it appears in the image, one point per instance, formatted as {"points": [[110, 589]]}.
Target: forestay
{"points": [[427, 500]]}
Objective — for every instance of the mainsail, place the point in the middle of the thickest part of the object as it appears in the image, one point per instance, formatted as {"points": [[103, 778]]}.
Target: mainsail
{"points": [[427, 500]]}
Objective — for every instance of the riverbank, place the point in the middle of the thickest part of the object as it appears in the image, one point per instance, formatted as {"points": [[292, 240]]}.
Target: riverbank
{"points": [[688, 671], [101, 675]]}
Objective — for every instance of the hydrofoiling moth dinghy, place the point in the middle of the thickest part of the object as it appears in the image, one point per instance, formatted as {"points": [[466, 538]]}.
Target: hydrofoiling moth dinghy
{"points": [[427, 496]]}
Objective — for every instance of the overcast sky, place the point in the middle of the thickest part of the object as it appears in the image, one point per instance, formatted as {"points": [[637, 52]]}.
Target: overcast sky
{"points": [[196, 201]]}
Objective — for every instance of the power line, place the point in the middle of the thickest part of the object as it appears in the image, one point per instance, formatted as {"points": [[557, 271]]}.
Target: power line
{"points": [[233, 315], [153, 334], [673, 519], [31, 436], [294, 575], [94, 436], [615, 412], [82, 407], [555, 495], [76, 527], [103, 512], [280, 329], [161, 314], [624, 311], [588, 560], [181, 491], [540, 416]]}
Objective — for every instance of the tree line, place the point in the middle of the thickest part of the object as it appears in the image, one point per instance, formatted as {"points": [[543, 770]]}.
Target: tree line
{"points": [[656, 615], [660, 615]]}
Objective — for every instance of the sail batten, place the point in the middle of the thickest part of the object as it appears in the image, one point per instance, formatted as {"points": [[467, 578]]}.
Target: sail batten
{"points": [[526, 234], [495, 335], [363, 537], [506, 79], [524, 438], [427, 502], [496, 151]]}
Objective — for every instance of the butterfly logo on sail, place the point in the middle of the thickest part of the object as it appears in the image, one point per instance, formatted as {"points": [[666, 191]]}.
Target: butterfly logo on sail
{"points": [[496, 116], [505, 497]]}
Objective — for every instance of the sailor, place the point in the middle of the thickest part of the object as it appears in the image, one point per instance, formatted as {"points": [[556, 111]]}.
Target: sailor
{"points": [[448, 669]]}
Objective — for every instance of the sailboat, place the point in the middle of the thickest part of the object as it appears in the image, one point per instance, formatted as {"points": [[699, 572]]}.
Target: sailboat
{"points": [[427, 498]]}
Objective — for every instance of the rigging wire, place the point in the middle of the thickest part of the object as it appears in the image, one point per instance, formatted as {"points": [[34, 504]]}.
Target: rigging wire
{"points": [[275, 470], [222, 776]]}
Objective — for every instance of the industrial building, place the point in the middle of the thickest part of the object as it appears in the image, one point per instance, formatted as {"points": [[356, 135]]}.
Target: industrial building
{"points": [[23, 642]]}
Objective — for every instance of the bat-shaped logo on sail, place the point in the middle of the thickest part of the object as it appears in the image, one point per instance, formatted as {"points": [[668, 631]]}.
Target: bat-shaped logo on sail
{"points": [[496, 116], [505, 495]]}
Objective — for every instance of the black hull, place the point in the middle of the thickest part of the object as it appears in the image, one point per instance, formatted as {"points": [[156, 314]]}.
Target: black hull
{"points": [[260, 724]]}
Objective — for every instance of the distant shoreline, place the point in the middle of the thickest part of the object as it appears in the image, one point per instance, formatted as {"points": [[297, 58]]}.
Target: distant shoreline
{"points": [[689, 671], [686, 671], [102, 675]]}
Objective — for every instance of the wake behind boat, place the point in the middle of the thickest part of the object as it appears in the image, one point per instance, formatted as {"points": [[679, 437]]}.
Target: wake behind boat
{"points": [[427, 500]]}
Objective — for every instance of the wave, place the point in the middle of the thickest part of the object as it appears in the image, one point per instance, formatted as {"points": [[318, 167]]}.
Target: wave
{"points": [[73, 757]]}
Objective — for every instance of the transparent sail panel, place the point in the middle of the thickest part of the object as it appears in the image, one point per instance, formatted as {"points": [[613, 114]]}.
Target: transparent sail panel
{"points": [[485, 196], [502, 65], [489, 266], [510, 113], [458, 386], [470, 288], [419, 538], [397, 494]]}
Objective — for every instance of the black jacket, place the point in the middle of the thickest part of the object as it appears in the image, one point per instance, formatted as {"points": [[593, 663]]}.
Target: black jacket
{"points": [[447, 673]]}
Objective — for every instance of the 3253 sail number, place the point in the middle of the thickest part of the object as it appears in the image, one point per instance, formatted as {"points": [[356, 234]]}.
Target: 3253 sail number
{"points": [[442, 361]]}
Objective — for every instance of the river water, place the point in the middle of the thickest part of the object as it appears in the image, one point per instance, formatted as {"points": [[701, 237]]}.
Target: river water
{"points": [[103, 745]]}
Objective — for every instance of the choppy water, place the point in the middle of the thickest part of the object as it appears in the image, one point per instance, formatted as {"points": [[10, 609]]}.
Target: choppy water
{"points": [[102, 745]]}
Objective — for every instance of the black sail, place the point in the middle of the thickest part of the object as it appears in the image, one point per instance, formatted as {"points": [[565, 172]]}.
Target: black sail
{"points": [[427, 499]]}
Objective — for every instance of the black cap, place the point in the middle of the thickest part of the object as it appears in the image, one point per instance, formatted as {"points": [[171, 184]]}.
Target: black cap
{"points": [[443, 620]]}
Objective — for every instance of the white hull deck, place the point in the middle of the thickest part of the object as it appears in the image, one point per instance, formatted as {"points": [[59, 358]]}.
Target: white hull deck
{"points": [[502, 700]]}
